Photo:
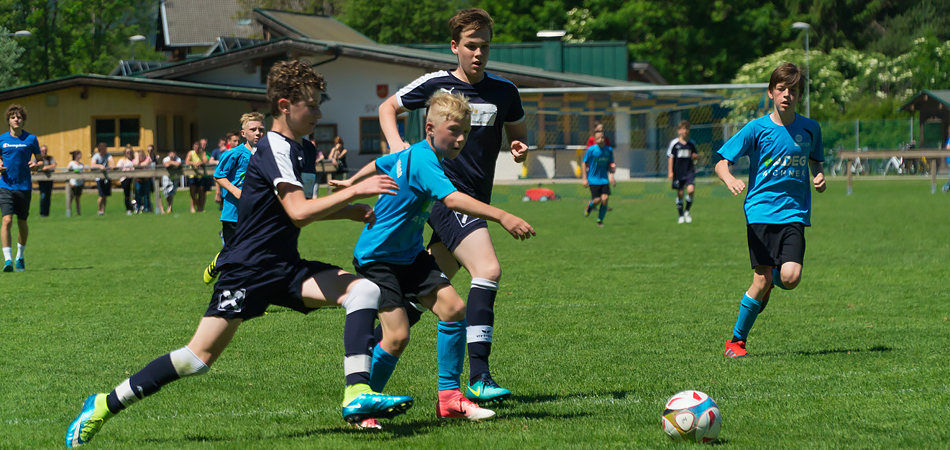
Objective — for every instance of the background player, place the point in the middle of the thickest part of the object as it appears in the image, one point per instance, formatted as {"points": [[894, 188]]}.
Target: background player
{"points": [[681, 153], [17, 148], [781, 147], [598, 168], [263, 266], [229, 174], [458, 239]]}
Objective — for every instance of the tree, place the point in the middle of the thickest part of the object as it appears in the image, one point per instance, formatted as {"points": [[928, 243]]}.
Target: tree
{"points": [[9, 60], [401, 21]]}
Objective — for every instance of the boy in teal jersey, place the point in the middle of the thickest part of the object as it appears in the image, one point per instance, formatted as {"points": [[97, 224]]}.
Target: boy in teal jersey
{"points": [[598, 168], [391, 252], [782, 147]]}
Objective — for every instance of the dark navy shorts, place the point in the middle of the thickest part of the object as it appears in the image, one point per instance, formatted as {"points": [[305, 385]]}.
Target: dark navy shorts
{"points": [[683, 181], [450, 227], [15, 202], [104, 185], [401, 282], [245, 292], [776, 244], [596, 190]]}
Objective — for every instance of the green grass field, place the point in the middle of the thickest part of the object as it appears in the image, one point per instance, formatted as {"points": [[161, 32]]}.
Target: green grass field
{"points": [[595, 329]]}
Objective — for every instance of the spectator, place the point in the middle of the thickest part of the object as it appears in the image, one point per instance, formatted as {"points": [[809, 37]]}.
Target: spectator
{"points": [[196, 158], [144, 186], [127, 164], [102, 160], [169, 186], [75, 184], [338, 156], [46, 187]]}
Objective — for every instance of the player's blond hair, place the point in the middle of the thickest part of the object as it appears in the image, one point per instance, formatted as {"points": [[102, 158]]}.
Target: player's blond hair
{"points": [[448, 106], [251, 117]]}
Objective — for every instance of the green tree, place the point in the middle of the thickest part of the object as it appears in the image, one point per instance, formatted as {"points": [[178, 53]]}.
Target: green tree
{"points": [[9, 60], [401, 21]]}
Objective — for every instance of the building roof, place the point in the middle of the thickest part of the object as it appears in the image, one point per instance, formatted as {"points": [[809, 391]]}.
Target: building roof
{"points": [[197, 23], [925, 96], [139, 85], [295, 25]]}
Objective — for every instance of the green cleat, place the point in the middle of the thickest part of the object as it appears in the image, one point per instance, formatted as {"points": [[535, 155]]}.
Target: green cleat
{"points": [[373, 405], [94, 413], [211, 272], [485, 390]]}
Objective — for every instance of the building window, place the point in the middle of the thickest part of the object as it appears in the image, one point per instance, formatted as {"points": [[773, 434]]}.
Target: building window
{"points": [[117, 132], [372, 139]]}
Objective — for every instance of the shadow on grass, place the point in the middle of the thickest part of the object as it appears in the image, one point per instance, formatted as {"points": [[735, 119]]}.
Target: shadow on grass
{"points": [[528, 399], [389, 431], [70, 268], [875, 349]]}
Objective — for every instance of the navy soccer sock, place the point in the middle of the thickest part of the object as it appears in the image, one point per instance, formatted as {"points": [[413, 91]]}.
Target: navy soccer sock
{"points": [[679, 205], [602, 213], [480, 316], [360, 305], [163, 370], [689, 202]]}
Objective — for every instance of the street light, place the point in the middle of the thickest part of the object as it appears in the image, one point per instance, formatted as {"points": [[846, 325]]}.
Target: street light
{"points": [[21, 33], [806, 27], [134, 39]]}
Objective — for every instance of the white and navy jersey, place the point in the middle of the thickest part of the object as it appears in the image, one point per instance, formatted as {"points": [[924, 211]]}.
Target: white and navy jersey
{"points": [[265, 234], [495, 103], [682, 155]]}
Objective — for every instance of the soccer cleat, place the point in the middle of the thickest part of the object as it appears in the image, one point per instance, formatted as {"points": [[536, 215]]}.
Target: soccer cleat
{"points": [[587, 211], [20, 265], [8, 266], [373, 405], [682, 219], [211, 271], [454, 405], [689, 218], [735, 349], [486, 390], [94, 413], [368, 424], [600, 224]]}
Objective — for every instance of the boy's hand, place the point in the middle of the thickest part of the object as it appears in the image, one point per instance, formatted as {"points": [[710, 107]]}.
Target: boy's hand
{"points": [[398, 146], [339, 185], [517, 227], [376, 185], [519, 151], [669, 175], [820, 183], [585, 183], [359, 212], [613, 181], [736, 186]]}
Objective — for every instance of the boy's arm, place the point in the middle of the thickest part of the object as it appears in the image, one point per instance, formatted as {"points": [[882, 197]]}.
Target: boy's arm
{"points": [[366, 171], [172, 163], [517, 227], [669, 172], [584, 169], [819, 179], [228, 186], [517, 135], [303, 211], [734, 184], [387, 122]]}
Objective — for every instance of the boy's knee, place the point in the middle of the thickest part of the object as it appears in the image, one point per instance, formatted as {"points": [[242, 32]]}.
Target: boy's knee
{"points": [[791, 282], [454, 312], [395, 343], [489, 272]]}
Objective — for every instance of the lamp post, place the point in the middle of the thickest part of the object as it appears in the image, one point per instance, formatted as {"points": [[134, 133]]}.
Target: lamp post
{"points": [[133, 40], [807, 28], [21, 33]]}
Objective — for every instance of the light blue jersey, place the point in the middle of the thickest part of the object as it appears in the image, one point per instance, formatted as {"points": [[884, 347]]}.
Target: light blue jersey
{"points": [[16, 153], [598, 164], [779, 181], [233, 166], [397, 235]]}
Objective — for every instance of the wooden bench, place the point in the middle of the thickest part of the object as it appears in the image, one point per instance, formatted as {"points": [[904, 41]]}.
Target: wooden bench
{"points": [[155, 173], [937, 155]]}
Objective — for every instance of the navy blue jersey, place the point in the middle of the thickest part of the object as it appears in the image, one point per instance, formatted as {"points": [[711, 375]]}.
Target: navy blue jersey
{"points": [[265, 234], [682, 155], [495, 102], [16, 153]]}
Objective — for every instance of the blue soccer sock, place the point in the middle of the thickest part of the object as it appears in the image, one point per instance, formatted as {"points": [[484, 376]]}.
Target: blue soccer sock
{"points": [[777, 278], [383, 366], [450, 346], [602, 212], [748, 311]]}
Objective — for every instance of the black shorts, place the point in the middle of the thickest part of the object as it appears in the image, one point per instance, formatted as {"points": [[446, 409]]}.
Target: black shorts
{"points": [[450, 227], [77, 190], [683, 181], [227, 231], [104, 185], [596, 190], [399, 283], [15, 202], [246, 292], [776, 244], [208, 183], [195, 181]]}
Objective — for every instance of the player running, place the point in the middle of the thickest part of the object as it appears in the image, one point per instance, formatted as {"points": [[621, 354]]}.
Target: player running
{"points": [[782, 147], [459, 239], [598, 168], [681, 153], [262, 266]]}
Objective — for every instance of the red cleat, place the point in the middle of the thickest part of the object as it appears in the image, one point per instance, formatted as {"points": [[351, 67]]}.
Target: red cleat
{"points": [[735, 349], [454, 405]]}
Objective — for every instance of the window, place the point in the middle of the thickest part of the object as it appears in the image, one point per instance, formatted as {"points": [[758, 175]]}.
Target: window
{"points": [[323, 135], [372, 139], [117, 132]]}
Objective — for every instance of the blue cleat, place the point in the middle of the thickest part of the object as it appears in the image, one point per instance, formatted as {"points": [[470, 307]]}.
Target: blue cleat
{"points": [[20, 265], [485, 390], [94, 413], [379, 406], [8, 266]]}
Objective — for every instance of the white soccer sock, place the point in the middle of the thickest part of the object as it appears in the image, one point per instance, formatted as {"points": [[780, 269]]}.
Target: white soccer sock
{"points": [[20, 249], [7, 254]]}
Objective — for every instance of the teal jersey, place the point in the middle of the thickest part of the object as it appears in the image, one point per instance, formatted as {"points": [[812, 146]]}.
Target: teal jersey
{"points": [[233, 166], [779, 181], [598, 164], [396, 237]]}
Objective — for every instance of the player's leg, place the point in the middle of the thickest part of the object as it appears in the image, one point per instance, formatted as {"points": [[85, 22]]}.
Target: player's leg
{"points": [[23, 232], [6, 231], [788, 274], [194, 184], [604, 196], [359, 297], [445, 303], [395, 339], [690, 188], [594, 200], [679, 206], [228, 229], [210, 339], [763, 251]]}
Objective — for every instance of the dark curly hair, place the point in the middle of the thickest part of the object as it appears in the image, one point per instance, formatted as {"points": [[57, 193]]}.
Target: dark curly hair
{"points": [[291, 80]]}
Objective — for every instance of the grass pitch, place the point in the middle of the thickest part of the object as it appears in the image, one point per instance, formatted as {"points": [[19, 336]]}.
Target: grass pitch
{"points": [[595, 329]]}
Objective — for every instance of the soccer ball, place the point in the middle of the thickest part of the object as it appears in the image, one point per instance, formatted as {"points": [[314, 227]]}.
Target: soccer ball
{"points": [[691, 416]]}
